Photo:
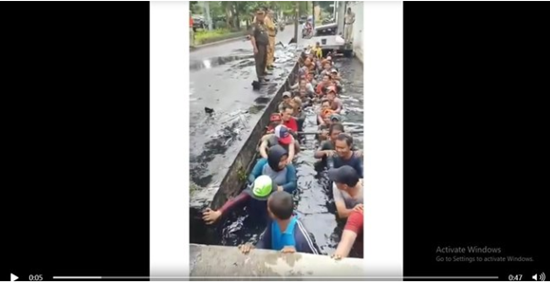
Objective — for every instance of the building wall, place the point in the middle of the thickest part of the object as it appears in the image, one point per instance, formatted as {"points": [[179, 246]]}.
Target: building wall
{"points": [[357, 8]]}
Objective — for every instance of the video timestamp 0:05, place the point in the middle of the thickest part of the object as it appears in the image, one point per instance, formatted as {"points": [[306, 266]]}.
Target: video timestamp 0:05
{"points": [[36, 277]]}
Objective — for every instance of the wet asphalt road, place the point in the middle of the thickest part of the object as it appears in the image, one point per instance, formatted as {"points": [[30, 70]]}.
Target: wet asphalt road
{"points": [[220, 79]]}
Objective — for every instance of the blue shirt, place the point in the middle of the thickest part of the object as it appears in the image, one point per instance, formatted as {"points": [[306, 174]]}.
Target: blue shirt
{"points": [[280, 240], [295, 236]]}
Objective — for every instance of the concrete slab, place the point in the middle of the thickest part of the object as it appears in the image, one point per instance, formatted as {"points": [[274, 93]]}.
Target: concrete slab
{"points": [[217, 262]]}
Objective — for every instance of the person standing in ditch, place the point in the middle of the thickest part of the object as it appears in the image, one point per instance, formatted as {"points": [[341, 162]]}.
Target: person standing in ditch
{"points": [[254, 197], [276, 166], [285, 232], [260, 40], [345, 155], [347, 190]]}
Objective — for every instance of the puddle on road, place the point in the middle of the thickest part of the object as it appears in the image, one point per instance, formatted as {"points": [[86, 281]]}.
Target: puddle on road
{"points": [[243, 64], [262, 100], [314, 201], [217, 61]]}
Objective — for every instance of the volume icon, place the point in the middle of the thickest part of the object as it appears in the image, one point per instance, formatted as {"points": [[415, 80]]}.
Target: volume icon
{"points": [[542, 276]]}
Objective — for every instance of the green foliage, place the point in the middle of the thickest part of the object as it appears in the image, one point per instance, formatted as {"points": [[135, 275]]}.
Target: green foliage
{"points": [[221, 25], [236, 13], [241, 173], [209, 36], [201, 36]]}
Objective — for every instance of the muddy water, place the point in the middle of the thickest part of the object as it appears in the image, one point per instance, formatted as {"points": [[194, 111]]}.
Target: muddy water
{"points": [[313, 198]]}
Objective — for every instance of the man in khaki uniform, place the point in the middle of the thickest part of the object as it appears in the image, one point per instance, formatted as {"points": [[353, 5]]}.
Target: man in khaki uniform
{"points": [[260, 42], [349, 19], [272, 32]]}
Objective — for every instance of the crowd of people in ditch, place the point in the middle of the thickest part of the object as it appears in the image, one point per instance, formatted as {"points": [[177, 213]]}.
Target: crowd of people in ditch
{"points": [[273, 179]]}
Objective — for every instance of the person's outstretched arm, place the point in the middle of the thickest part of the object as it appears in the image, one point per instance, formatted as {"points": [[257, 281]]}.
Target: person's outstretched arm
{"points": [[211, 216], [263, 148], [353, 228], [291, 151]]}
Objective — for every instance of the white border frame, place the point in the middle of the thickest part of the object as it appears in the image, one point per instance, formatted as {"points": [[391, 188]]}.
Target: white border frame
{"points": [[169, 192], [383, 137]]}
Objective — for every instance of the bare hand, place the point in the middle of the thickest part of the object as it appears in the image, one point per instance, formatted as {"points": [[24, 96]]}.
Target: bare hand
{"points": [[337, 256], [210, 216], [288, 250], [358, 207], [280, 188], [329, 153], [246, 248]]}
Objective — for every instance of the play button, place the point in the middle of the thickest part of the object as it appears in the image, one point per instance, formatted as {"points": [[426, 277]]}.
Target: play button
{"points": [[13, 277]]}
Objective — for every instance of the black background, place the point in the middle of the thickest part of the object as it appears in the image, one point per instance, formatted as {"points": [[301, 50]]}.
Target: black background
{"points": [[75, 89], [475, 156]]}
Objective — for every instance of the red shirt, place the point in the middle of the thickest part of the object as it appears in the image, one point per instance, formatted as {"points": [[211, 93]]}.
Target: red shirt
{"points": [[291, 124], [190, 21], [355, 224]]}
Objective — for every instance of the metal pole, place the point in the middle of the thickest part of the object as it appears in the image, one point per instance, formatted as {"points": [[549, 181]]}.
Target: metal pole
{"points": [[296, 22], [313, 13], [207, 10]]}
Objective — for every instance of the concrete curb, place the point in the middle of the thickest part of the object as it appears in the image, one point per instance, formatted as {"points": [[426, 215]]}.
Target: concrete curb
{"points": [[202, 46], [359, 54], [211, 263]]}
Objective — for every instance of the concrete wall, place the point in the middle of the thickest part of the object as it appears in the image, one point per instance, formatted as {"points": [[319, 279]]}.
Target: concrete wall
{"points": [[215, 262], [357, 7]]}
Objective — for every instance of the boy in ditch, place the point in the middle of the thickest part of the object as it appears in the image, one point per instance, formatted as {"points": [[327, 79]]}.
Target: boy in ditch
{"points": [[347, 190], [285, 232]]}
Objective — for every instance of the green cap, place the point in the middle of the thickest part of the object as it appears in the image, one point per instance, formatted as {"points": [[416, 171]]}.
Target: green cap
{"points": [[261, 189]]}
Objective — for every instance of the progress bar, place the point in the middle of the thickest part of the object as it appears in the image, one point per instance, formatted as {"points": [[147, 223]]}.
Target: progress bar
{"points": [[273, 278]]}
